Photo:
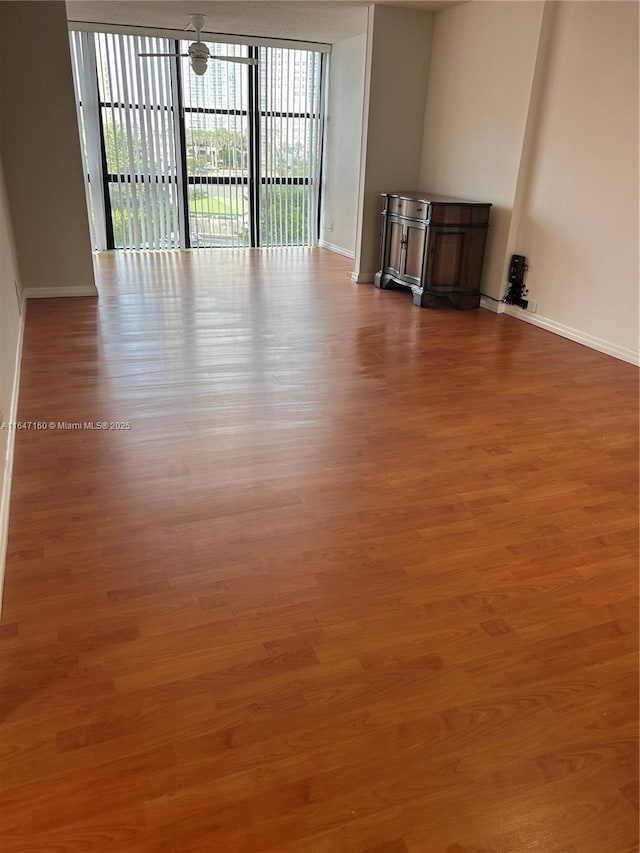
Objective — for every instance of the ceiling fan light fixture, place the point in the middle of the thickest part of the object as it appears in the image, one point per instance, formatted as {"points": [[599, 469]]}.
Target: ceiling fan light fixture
{"points": [[198, 54], [199, 65]]}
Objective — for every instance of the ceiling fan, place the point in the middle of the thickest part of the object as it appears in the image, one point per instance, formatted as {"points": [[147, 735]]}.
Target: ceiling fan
{"points": [[198, 51]]}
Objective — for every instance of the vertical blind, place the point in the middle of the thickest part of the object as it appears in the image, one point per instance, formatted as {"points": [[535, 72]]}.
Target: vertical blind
{"points": [[130, 143], [171, 159], [83, 60]]}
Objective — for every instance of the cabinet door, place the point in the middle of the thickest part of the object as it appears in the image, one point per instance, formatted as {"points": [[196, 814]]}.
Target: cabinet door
{"points": [[414, 252], [395, 244], [447, 267]]}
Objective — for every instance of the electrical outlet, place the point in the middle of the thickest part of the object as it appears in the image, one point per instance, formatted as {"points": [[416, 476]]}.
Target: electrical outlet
{"points": [[330, 228], [532, 306]]}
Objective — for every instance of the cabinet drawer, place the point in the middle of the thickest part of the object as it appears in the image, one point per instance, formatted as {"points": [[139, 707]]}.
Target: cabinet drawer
{"points": [[416, 209], [407, 207], [395, 205]]}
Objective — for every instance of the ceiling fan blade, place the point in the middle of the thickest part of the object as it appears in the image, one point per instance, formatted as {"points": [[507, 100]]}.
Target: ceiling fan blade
{"points": [[163, 54], [241, 60]]}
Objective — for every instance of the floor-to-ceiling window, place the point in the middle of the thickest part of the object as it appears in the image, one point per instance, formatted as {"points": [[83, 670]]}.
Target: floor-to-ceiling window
{"points": [[217, 149], [289, 101], [230, 158]]}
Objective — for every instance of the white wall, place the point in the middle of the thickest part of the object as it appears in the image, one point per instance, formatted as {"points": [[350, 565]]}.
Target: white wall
{"points": [[342, 145], [579, 218], [41, 150], [483, 60], [10, 341], [396, 77], [533, 106]]}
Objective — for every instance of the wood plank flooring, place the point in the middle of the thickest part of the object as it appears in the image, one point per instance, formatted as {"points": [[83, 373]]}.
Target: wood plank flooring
{"points": [[358, 577]]}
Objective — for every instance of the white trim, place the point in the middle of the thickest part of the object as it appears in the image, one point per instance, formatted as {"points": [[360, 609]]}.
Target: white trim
{"points": [[492, 305], [576, 335], [362, 277], [189, 35], [347, 253], [364, 139], [5, 500], [317, 138], [55, 292]]}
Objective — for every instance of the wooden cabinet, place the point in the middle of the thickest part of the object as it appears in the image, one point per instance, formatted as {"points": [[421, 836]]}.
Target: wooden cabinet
{"points": [[433, 245]]}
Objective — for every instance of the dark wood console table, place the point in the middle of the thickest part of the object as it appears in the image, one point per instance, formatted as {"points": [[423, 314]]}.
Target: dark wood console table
{"points": [[433, 245]]}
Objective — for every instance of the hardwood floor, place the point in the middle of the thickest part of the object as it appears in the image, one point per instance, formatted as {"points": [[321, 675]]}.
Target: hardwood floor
{"points": [[359, 577]]}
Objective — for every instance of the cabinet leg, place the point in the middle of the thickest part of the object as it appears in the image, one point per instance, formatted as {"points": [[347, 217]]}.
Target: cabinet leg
{"points": [[468, 301]]}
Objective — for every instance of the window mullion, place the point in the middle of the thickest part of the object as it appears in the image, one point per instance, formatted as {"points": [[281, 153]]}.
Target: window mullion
{"points": [[253, 129]]}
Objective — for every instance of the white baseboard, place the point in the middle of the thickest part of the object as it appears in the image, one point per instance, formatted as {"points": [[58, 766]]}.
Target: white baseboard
{"points": [[362, 277], [5, 499], [492, 305], [338, 250], [628, 355], [55, 292]]}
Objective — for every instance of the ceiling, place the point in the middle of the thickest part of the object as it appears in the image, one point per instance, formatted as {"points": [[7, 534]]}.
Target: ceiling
{"points": [[328, 21]]}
